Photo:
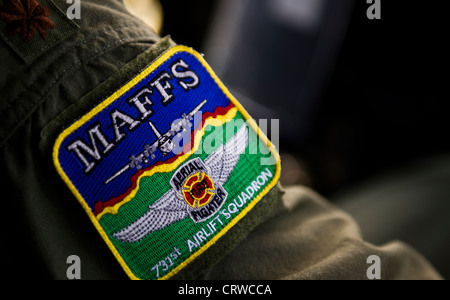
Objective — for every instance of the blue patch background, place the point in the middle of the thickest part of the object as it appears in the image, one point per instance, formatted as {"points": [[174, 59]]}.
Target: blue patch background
{"points": [[92, 187]]}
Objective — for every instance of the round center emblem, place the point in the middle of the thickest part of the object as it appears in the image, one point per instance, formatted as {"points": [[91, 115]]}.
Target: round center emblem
{"points": [[198, 190]]}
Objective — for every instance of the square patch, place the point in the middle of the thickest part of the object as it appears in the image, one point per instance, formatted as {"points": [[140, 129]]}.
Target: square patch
{"points": [[166, 165]]}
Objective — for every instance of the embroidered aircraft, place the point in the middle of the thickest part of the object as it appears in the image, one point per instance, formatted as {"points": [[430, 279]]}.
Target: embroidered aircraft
{"points": [[164, 142]]}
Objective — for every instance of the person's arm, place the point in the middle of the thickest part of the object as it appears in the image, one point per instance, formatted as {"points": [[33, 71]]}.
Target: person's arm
{"points": [[302, 237], [307, 238]]}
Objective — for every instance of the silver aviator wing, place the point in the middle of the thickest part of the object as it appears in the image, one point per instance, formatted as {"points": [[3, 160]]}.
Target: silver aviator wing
{"points": [[170, 208]]}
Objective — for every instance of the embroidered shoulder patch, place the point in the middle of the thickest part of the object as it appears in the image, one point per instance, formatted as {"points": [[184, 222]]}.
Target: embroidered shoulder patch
{"points": [[166, 165]]}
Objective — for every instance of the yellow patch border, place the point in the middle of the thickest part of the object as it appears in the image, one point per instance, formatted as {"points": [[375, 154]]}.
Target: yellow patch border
{"points": [[157, 63]]}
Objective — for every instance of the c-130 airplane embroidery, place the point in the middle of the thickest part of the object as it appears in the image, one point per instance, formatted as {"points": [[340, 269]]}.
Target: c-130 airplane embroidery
{"points": [[164, 142]]}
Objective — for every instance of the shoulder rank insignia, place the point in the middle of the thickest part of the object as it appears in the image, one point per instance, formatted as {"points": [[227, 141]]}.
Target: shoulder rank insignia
{"points": [[166, 165], [26, 17]]}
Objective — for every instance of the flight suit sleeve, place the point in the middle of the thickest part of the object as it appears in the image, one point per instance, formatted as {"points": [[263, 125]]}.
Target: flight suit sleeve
{"points": [[307, 238], [304, 237], [41, 228]]}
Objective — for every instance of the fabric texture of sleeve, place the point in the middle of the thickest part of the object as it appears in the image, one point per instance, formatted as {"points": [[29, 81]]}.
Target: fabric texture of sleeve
{"points": [[42, 229], [307, 238], [303, 238]]}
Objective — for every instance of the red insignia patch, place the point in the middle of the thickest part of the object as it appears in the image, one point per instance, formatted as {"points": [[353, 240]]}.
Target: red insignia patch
{"points": [[198, 190], [25, 17]]}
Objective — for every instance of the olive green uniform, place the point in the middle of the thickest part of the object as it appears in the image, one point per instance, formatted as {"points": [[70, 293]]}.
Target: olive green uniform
{"points": [[301, 237]]}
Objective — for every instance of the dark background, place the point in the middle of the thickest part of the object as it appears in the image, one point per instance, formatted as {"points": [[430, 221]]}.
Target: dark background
{"points": [[381, 106]]}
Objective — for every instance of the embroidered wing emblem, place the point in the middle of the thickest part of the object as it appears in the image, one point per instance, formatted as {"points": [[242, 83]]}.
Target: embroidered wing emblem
{"points": [[172, 208]]}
